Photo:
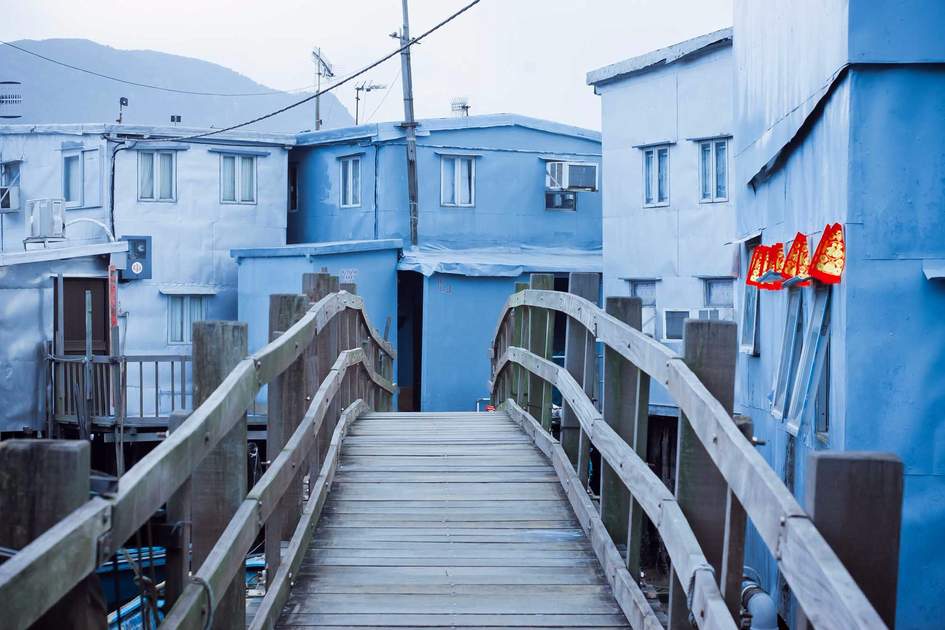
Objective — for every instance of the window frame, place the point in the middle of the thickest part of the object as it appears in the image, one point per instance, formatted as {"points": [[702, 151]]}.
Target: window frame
{"points": [[237, 177], [653, 179], [650, 312], [665, 327], [706, 291], [75, 154], [186, 332], [791, 350], [713, 143], [293, 169], [811, 364], [457, 178], [156, 171], [750, 316], [344, 163]]}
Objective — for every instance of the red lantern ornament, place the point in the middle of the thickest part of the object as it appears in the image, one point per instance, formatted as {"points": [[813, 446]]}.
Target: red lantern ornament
{"points": [[797, 264], [830, 257], [772, 278], [756, 267]]}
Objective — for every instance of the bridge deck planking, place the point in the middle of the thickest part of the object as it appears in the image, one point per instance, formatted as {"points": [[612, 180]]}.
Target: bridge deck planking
{"points": [[451, 520]]}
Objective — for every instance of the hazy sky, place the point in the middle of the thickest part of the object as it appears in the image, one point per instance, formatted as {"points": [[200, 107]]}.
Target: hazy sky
{"points": [[523, 56]]}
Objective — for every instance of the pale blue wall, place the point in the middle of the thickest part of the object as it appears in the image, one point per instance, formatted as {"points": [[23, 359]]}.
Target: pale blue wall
{"points": [[870, 157], [266, 271], [510, 182], [459, 318]]}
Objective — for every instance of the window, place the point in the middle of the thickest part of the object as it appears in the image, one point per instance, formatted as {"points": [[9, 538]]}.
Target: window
{"points": [[751, 308], [673, 321], [81, 178], [560, 200], [350, 182], [812, 362], [293, 187], [822, 402], [182, 312], [790, 353], [656, 176], [713, 171], [9, 173], [157, 176], [719, 292], [238, 179], [457, 181], [646, 291]]}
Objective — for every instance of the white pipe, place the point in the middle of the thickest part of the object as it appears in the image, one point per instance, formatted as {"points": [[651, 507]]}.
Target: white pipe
{"points": [[111, 237], [760, 605]]}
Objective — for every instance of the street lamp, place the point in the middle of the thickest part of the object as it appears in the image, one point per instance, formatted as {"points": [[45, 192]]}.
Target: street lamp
{"points": [[364, 87]]}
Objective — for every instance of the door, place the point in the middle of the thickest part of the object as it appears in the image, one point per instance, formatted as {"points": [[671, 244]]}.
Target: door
{"points": [[74, 315]]}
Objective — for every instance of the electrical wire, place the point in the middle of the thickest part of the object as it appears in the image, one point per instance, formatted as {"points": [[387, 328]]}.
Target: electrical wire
{"points": [[312, 97], [147, 85]]}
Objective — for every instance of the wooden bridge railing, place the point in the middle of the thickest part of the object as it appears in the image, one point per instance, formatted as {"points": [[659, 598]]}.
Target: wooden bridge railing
{"points": [[716, 448], [355, 376]]}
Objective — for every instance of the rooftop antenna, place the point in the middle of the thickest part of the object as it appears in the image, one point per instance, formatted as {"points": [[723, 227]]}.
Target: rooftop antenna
{"points": [[322, 68], [122, 103], [364, 87], [460, 106]]}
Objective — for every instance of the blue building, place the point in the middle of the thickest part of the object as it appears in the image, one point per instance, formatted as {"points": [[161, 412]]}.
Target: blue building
{"points": [[500, 196], [839, 118]]}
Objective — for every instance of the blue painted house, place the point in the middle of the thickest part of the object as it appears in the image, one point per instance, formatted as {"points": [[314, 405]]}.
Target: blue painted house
{"points": [[841, 119], [500, 196]]}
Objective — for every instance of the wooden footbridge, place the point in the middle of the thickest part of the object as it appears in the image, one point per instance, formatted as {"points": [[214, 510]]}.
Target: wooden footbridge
{"points": [[371, 518]]}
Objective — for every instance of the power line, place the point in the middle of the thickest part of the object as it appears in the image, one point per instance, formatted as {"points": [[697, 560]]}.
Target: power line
{"points": [[146, 85], [350, 77]]}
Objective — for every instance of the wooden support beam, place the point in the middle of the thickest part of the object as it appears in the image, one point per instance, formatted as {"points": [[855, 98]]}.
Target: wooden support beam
{"points": [[179, 519], [587, 286], [219, 483], [519, 339], [855, 500], [620, 383], [540, 334], [317, 286], [709, 350], [287, 404], [41, 482], [733, 545]]}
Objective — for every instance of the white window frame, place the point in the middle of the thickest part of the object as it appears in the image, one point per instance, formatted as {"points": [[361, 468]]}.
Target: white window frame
{"points": [[811, 365], [791, 348], [348, 191], [650, 324], [77, 154], [706, 284], [457, 179], [237, 177], [751, 313], [691, 314], [156, 177], [652, 178], [713, 143], [188, 318]]}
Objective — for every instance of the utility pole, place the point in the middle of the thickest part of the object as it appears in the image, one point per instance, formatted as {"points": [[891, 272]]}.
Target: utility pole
{"points": [[364, 87], [322, 67], [410, 127]]}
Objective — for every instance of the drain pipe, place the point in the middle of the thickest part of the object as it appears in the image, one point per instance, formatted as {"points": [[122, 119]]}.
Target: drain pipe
{"points": [[760, 606]]}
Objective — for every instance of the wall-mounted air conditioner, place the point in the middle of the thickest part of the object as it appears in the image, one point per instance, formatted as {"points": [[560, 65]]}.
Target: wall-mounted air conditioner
{"points": [[9, 199], [574, 176], [44, 220]]}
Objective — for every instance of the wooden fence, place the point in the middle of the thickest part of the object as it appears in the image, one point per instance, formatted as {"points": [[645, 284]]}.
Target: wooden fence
{"points": [[721, 479], [341, 367]]}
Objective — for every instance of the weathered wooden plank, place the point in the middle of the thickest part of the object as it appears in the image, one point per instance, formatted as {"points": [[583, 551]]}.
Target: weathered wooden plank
{"points": [[587, 286], [450, 576], [385, 620], [564, 602]]}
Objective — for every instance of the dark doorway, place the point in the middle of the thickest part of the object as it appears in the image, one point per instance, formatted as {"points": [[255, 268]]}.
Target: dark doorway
{"points": [[409, 339], [74, 315]]}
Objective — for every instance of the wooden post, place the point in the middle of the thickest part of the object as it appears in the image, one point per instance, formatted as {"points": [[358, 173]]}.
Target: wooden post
{"points": [[317, 286], [41, 483], [733, 545], [587, 286], [287, 405], [626, 411], [178, 518], [855, 500], [519, 337], [710, 348], [219, 483], [348, 323], [540, 331]]}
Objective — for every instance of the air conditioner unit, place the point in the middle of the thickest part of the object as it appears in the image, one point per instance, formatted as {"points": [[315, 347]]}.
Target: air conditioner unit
{"points": [[572, 176], [44, 219], [9, 199]]}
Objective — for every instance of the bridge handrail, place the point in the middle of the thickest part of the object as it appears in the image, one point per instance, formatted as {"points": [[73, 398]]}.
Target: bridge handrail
{"points": [[660, 505], [820, 582], [44, 571]]}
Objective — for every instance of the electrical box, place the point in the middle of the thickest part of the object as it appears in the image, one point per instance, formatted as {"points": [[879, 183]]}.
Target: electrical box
{"points": [[139, 258]]}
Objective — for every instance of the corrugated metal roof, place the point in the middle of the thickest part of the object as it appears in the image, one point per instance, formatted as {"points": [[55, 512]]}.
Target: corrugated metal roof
{"points": [[62, 253], [660, 57], [148, 131], [317, 249]]}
